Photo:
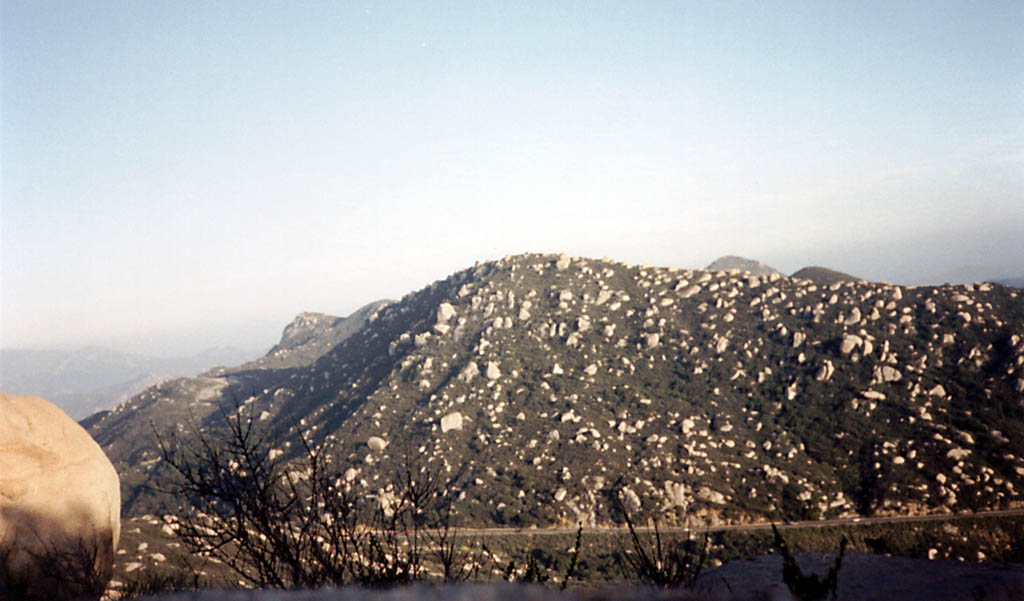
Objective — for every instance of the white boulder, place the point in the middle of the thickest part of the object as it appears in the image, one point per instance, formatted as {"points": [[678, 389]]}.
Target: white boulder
{"points": [[631, 500], [887, 373], [445, 311], [675, 492], [59, 496], [825, 371], [711, 496], [690, 291], [469, 372], [452, 421], [850, 342]]}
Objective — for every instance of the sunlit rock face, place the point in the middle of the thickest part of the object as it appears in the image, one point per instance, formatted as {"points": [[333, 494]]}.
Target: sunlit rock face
{"points": [[60, 505]]}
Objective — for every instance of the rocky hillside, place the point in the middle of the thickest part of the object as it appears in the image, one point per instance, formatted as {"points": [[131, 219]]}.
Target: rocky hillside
{"points": [[542, 386]]}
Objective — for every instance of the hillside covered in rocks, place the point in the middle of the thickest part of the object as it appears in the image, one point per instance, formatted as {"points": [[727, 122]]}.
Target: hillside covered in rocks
{"points": [[542, 387]]}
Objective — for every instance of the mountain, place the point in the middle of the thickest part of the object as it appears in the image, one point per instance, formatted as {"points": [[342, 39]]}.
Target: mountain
{"points": [[1014, 282], [544, 386], [823, 276], [89, 379], [310, 335], [730, 262]]}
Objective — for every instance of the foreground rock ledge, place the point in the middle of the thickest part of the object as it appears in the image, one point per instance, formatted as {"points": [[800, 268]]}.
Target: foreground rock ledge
{"points": [[863, 576], [60, 505]]}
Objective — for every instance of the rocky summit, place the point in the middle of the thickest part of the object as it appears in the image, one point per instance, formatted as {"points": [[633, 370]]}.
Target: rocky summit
{"points": [[730, 262], [544, 387], [823, 275]]}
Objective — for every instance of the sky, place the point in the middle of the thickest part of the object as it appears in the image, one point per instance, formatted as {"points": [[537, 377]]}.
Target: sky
{"points": [[180, 175]]}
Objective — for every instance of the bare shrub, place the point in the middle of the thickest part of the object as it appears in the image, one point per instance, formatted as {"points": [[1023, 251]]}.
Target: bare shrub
{"points": [[52, 567], [651, 561], [808, 587], [458, 561], [145, 583], [296, 522]]}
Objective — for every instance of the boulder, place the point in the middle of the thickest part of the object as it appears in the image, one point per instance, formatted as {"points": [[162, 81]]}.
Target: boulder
{"points": [[825, 371], [630, 500], [452, 421], [850, 342], [887, 373], [675, 493], [689, 291], [711, 496], [445, 311], [60, 505], [854, 317], [958, 454], [469, 372]]}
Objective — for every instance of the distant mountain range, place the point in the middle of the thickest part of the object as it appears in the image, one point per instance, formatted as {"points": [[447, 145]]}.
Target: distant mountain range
{"points": [[87, 380], [545, 387]]}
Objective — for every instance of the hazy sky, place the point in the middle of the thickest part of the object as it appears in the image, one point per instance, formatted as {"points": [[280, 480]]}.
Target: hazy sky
{"points": [[178, 175]]}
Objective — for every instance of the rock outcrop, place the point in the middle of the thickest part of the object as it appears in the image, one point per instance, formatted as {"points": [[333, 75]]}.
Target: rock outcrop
{"points": [[60, 505], [730, 262], [823, 276]]}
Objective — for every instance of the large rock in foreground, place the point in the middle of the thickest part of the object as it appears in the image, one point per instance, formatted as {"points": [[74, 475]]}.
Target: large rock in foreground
{"points": [[60, 505]]}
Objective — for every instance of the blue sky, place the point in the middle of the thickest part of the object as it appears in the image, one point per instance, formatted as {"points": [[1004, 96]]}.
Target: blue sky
{"points": [[178, 175]]}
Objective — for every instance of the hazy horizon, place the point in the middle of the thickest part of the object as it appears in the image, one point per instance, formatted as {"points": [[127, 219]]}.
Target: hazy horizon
{"points": [[178, 176]]}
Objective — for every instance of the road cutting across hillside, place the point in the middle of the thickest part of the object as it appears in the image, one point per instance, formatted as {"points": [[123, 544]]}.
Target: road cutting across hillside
{"points": [[857, 521]]}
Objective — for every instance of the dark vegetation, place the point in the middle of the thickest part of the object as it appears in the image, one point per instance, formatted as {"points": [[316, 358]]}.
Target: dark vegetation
{"points": [[48, 568], [808, 587], [661, 563]]}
